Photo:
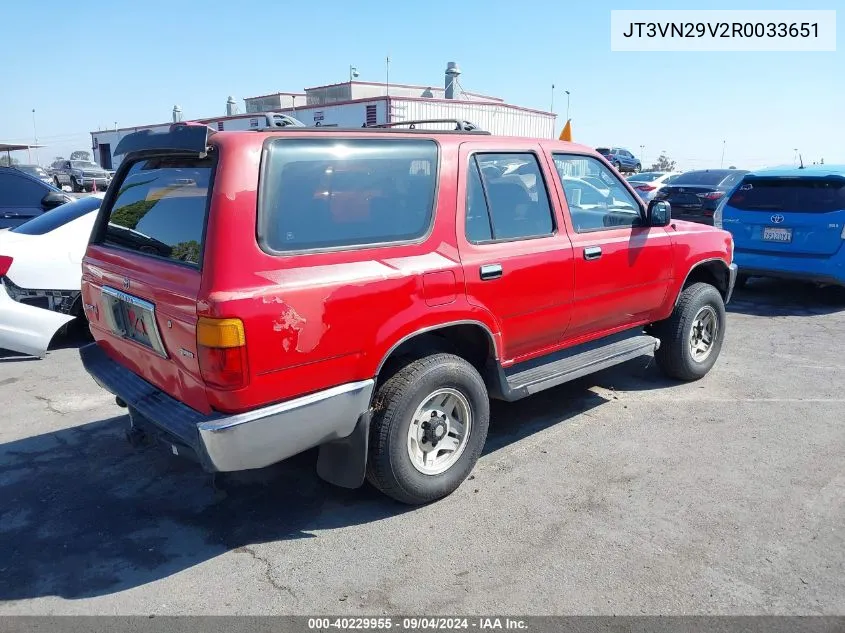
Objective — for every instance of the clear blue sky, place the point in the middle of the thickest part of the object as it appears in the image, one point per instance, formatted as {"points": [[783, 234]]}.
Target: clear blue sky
{"points": [[84, 65]]}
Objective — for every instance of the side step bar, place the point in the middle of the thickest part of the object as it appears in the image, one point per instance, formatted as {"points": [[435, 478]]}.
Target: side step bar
{"points": [[570, 364]]}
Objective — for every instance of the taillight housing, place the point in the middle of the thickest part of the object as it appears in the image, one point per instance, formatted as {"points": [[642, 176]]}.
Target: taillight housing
{"points": [[5, 264], [711, 195], [221, 352], [645, 187]]}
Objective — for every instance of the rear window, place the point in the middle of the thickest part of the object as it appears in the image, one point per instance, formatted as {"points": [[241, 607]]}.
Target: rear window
{"points": [[59, 216], [604, 151], [645, 176], [702, 178], [790, 194], [331, 193], [160, 208]]}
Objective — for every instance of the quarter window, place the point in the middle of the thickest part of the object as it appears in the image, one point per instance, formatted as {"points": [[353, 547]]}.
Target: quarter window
{"points": [[506, 198], [334, 193], [596, 197]]}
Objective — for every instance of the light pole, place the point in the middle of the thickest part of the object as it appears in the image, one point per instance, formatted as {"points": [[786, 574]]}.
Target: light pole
{"points": [[552, 108], [642, 154], [353, 73], [35, 135], [795, 157], [722, 162], [567, 104]]}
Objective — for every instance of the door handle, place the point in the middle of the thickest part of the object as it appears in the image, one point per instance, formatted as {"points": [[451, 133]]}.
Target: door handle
{"points": [[592, 252], [490, 271]]}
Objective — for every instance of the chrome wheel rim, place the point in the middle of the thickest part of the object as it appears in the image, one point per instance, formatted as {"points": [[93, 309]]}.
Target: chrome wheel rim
{"points": [[439, 431], [703, 333]]}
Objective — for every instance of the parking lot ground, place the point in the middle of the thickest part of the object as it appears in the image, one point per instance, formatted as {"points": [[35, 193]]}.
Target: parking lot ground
{"points": [[623, 493]]}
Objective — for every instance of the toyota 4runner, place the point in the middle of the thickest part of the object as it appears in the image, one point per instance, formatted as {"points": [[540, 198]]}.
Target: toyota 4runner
{"points": [[256, 294]]}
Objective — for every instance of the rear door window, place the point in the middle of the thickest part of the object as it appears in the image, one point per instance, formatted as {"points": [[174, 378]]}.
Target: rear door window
{"points": [[59, 216], [326, 193], [160, 208], [20, 191]]}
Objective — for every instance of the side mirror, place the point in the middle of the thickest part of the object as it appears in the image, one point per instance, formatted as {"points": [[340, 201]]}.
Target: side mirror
{"points": [[53, 199], [659, 213]]}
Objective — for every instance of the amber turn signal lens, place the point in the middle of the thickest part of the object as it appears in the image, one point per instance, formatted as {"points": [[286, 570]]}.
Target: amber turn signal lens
{"points": [[220, 333]]}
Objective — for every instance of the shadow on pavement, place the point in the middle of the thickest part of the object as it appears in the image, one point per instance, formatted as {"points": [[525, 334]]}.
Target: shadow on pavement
{"points": [[775, 297], [85, 514]]}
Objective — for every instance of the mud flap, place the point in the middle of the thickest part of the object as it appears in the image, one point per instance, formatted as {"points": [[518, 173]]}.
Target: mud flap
{"points": [[26, 329], [344, 462]]}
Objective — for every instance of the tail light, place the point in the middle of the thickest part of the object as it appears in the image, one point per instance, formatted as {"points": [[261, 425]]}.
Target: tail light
{"points": [[221, 352], [5, 264], [711, 195], [645, 188]]}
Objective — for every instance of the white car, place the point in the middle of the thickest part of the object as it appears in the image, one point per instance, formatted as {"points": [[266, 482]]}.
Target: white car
{"points": [[648, 183], [40, 275]]}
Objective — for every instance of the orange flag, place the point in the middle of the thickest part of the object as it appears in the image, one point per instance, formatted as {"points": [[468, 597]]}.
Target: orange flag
{"points": [[566, 135]]}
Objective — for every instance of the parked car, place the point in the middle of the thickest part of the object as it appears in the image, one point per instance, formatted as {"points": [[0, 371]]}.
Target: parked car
{"points": [[789, 223], [694, 195], [40, 269], [374, 288], [36, 171], [23, 197], [648, 183], [80, 175], [621, 158]]}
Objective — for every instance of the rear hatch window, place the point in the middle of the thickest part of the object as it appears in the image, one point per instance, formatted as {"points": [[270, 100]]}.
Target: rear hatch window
{"points": [[807, 195], [160, 208], [604, 151]]}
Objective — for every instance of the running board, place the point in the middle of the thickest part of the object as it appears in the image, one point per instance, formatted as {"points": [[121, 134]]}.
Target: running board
{"points": [[555, 369]]}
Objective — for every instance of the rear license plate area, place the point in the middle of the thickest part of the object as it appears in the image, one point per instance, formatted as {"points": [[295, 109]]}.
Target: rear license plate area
{"points": [[132, 319], [777, 234]]}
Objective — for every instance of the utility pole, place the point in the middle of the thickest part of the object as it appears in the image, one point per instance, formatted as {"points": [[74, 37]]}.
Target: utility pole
{"points": [[567, 104], [722, 162]]}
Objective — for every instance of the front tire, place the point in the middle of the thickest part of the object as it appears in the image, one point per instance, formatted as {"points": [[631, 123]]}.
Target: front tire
{"points": [[429, 426], [691, 338]]}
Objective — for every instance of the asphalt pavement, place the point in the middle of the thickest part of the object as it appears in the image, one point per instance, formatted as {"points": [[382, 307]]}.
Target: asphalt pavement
{"points": [[623, 493]]}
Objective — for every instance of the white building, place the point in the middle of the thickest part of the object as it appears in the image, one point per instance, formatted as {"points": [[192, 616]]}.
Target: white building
{"points": [[355, 104]]}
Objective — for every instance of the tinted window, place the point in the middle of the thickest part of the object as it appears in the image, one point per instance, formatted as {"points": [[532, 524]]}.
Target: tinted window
{"points": [[59, 216], [20, 191], [160, 208], [603, 151], [514, 194], [478, 227], [712, 178], [790, 194], [326, 193], [596, 197]]}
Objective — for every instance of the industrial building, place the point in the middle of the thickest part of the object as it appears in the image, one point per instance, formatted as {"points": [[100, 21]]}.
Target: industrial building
{"points": [[355, 104]]}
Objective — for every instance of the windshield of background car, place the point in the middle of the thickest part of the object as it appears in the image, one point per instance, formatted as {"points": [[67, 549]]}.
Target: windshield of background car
{"points": [[712, 178], [160, 208], [809, 195], [330, 193], [59, 216], [83, 164]]}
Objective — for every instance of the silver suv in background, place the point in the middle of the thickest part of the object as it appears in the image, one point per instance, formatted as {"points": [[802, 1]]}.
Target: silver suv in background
{"points": [[79, 175]]}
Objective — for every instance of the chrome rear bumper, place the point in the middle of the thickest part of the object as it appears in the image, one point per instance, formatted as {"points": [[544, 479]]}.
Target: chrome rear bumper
{"points": [[244, 441]]}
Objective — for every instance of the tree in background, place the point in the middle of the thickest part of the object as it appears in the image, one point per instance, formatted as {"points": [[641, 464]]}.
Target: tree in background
{"points": [[8, 161], [80, 155], [663, 164]]}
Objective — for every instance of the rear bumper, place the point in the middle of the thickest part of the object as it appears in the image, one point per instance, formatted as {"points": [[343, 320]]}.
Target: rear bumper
{"points": [[27, 329], [829, 270], [244, 441]]}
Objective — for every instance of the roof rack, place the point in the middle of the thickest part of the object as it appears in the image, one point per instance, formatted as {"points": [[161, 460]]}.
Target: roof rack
{"points": [[460, 126]]}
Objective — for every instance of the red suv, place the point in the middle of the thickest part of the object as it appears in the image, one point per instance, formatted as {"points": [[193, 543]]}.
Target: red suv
{"points": [[256, 294]]}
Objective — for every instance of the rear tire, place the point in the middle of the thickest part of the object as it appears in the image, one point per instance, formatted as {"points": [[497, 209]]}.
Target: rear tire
{"points": [[618, 166], [443, 388], [75, 186], [637, 168], [691, 338]]}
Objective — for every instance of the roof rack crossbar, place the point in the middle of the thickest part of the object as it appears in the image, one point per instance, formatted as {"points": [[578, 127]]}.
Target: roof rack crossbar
{"points": [[460, 126]]}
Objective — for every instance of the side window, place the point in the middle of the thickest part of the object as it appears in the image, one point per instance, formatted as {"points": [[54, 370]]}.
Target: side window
{"points": [[596, 197], [326, 193], [16, 191], [507, 193]]}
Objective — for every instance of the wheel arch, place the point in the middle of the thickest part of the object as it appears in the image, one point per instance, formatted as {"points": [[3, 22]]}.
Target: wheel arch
{"points": [[713, 271]]}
